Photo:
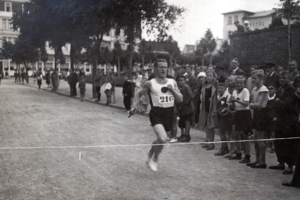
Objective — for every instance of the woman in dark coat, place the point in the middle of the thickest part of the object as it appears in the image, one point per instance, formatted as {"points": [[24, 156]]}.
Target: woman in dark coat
{"points": [[208, 109]]}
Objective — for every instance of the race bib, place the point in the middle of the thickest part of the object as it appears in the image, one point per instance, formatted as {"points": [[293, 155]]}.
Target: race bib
{"points": [[166, 99]]}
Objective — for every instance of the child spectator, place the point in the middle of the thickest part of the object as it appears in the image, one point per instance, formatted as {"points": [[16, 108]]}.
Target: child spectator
{"points": [[231, 111], [81, 86], [113, 85], [127, 93], [185, 109], [39, 81], [242, 119], [258, 103], [271, 115], [283, 148], [224, 118]]}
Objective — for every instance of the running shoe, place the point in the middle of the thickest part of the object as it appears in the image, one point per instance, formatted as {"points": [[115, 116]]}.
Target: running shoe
{"points": [[152, 164], [173, 140]]}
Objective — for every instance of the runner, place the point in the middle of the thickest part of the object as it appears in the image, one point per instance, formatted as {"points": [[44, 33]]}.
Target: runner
{"points": [[163, 91]]}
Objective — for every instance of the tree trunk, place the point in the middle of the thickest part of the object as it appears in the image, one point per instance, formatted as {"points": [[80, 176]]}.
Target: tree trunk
{"points": [[119, 68], [289, 39], [210, 63], [130, 58], [55, 57], [95, 62], [72, 55]]}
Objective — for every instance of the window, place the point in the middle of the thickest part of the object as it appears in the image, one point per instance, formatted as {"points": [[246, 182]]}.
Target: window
{"points": [[4, 24], [262, 23], [8, 7], [256, 23], [236, 18], [229, 20], [10, 25], [259, 23]]}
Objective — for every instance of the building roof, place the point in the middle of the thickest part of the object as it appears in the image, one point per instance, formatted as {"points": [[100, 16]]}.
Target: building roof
{"points": [[236, 11], [260, 14]]}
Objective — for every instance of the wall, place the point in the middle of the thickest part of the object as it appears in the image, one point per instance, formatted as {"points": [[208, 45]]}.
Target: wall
{"points": [[265, 45]]}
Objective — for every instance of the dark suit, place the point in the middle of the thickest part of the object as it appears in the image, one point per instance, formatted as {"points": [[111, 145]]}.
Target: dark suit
{"points": [[239, 72], [294, 75], [272, 80], [283, 148], [240, 29]]}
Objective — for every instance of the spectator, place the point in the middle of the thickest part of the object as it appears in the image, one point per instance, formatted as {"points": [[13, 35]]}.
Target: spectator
{"points": [[6, 74], [39, 81], [224, 119], [107, 90], [197, 70], [81, 86], [283, 148], [249, 84], [81, 73], [48, 78], [242, 119], [189, 78], [293, 103], [145, 97], [271, 115], [16, 76], [196, 89], [112, 81], [279, 69], [127, 93], [203, 69], [0, 77], [23, 76], [220, 73], [185, 109], [235, 67], [98, 84], [240, 28], [19, 75], [293, 69], [271, 76], [208, 111], [247, 26], [258, 103], [73, 82], [34, 76], [55, 80]]}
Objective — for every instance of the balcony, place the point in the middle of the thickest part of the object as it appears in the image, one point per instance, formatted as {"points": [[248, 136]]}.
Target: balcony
{"points": [[6, 14]]}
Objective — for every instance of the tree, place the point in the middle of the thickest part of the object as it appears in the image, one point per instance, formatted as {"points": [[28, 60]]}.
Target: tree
{"points": [[107, 56], [143, 51], [22, 52], [118, 53], [290, 11], [211, 43], [172, 48], [201, 49], [155, 16]]}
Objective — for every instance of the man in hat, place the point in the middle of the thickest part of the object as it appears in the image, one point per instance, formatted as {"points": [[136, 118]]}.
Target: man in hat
{"points": [[235, 67], [220, 73], [271, 76], [247, 26], [240, 28]]}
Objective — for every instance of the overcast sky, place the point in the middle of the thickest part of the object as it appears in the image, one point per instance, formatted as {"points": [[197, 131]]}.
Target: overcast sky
{"points": [[203, 14]]}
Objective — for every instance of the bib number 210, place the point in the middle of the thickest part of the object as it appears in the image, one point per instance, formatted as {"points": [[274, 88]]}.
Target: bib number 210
{"points": [[166, 99]]}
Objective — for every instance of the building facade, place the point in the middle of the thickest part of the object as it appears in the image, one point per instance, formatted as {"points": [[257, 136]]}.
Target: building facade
{"points": [[257, 20], [7, 7]]}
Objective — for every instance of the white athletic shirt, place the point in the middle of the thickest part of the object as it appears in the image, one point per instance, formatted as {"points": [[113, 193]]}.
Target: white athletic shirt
{"points": [[159, 98], [255, 93], [244, 95]]}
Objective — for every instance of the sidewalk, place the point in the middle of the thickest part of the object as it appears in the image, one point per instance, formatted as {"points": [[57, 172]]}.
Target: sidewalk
{"points": [[64, 89]]}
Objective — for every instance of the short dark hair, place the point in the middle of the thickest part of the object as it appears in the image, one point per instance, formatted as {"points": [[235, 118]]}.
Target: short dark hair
{"points": [[178, 77], [254, 66], [159, 60], [284, 73]]}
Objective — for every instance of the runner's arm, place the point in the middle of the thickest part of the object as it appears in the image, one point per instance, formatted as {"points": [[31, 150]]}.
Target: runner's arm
{"points": [[260, 99]]}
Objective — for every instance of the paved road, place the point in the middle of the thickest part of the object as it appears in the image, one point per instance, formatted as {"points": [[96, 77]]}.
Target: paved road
{"points": [[45, 120]]}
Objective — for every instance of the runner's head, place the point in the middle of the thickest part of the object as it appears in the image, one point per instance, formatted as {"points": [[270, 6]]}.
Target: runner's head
{"points": [[161, 67]]}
